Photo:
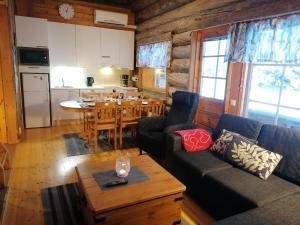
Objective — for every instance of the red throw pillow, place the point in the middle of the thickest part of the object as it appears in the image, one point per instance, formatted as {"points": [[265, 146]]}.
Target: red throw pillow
{"points": [[195, 140]]}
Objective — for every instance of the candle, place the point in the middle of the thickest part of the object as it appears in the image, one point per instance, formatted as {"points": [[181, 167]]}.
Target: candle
{"points": [[122, 172]]}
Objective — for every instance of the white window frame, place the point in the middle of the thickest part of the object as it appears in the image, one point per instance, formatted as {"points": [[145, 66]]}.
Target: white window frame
{"points": [[248, 88], [215, 78]]}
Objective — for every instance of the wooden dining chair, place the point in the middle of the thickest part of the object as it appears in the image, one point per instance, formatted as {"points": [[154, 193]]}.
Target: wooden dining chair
{"points": [[129, 117], [155, 108], [4, 164], [93, 95], [134, 94], [111, 94], [88, 117], [105, 119]]}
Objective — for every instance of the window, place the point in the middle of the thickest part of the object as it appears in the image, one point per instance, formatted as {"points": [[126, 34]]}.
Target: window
{"points": [[214, 68], [160, 78], [274, 93]]}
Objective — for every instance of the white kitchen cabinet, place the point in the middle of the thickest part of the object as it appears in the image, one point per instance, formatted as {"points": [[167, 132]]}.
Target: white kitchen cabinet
{"points": [[127, 49], [31, 32], [59, 95], [62, 44], [110, 47], [88, 47]]}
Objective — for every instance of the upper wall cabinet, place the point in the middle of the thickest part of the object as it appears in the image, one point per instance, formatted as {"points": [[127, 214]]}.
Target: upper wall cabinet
{"points": [[127, 49], [88, 46], [110, 46], [31, 32], [62, 44]]}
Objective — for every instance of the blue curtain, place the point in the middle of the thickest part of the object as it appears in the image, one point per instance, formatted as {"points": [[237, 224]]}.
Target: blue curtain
{"points": [[267, 41], [156, 55]]}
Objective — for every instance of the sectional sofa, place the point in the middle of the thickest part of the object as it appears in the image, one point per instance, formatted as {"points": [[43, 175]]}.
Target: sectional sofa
{"points": [[234, 196]]}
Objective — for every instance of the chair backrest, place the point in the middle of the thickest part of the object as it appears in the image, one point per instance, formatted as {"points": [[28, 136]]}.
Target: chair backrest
{"points": [[130, 111], [155, 108], [183, 108], [111, 94], [105, 112], [137, 94], [91, 95]]}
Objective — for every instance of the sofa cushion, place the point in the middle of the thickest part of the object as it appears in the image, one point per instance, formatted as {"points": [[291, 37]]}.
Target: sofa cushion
{"points": [[285, 141], [284, 211], [202, 162], [195, 139], [246, 127], [251, 157], [148, 140], [251, 191]]}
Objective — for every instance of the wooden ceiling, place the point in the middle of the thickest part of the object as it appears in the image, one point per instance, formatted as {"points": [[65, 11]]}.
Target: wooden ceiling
{"points": [[119, 3]]}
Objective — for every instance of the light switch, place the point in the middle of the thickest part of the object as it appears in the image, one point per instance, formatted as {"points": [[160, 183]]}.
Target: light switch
{"points": [[232, 102]]}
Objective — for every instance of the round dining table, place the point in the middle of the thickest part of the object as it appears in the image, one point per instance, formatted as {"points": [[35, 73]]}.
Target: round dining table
{"points": [[76, 106]]}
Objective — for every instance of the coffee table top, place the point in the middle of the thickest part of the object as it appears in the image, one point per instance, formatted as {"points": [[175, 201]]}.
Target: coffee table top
{"points": [[161, 183]]}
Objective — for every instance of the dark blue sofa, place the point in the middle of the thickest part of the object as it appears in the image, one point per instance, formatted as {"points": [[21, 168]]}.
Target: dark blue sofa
{"points": [[232, 195]]}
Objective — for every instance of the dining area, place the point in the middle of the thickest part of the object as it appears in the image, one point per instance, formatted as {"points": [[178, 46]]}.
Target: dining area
{"points": [[112, 116]]}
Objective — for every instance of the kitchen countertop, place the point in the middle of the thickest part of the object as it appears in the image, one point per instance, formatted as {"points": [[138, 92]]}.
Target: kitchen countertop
{"points": [[94, 87]]}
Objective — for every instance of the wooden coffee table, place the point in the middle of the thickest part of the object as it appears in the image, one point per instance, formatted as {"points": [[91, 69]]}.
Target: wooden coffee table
{"points": [[155, 201]]}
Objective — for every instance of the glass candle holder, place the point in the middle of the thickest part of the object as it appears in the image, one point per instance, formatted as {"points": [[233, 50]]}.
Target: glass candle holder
{"points": [[122, 166]]}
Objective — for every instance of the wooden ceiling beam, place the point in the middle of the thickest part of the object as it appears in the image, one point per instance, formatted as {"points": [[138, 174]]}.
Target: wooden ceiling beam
{"points": [[159, 7], [138, 5]]}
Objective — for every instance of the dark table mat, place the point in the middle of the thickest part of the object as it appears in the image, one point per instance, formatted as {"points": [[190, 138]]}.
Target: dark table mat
{"points": [[135, 176]]}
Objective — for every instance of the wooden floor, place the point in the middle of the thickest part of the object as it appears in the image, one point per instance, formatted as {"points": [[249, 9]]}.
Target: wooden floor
{"points": [[40, 162]]}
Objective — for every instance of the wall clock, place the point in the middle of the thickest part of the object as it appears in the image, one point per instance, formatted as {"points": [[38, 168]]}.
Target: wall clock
{"points": [[66, 11]]}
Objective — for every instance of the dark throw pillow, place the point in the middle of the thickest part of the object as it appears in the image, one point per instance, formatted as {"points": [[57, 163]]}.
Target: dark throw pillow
{"points": [[222, 143], [251, 157]]}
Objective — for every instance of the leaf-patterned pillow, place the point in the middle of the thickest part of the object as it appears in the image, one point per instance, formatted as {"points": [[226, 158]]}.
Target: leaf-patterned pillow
{"points": [[222, 143], [252, 158]]}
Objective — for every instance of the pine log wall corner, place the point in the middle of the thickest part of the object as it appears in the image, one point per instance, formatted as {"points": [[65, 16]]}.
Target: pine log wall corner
{"points": [[84, 12], [9, 132], [157, 19]]}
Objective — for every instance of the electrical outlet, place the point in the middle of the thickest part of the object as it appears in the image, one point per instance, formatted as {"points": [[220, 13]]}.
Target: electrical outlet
{"points": [[233, 102]]}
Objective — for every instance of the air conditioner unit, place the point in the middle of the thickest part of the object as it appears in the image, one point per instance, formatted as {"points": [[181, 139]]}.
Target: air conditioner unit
{"points": [[102, 16]]}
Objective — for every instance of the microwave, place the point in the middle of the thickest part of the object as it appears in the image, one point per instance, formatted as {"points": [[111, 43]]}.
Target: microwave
{"points": [[33, 56]]}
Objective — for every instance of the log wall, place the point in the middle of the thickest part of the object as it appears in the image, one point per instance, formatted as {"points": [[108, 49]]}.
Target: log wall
{"points": [[197, 15], [9, 129], [84, 12]]}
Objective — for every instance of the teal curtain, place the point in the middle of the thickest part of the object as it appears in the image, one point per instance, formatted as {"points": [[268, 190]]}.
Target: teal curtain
{"points": [[274, 40], [156, 55]]}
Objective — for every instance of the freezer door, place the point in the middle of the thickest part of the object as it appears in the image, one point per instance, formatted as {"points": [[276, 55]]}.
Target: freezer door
{"points": [[35, 82], [37, 109]]}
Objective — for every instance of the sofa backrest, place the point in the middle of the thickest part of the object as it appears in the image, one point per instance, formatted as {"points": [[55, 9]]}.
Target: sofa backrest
{"points": [[183, 108], [244, 126], [285, 141]]}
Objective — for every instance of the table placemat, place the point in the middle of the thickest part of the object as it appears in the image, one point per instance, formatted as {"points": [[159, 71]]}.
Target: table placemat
{"points": [[135, 176]]}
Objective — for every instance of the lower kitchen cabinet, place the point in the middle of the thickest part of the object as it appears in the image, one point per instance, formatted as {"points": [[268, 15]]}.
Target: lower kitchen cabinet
{"points": [[59, 95]]}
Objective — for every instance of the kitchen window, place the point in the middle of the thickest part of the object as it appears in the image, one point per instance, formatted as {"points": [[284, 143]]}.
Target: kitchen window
{"points": [[160, 78], [214, 68], [273, 94]]}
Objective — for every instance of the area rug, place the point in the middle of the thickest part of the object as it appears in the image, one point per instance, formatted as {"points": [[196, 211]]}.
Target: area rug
{"points": [[76, 145], [62, 206]]}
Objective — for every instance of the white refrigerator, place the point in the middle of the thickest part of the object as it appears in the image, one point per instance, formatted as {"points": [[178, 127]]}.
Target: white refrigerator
{"points": [[36, 100]]}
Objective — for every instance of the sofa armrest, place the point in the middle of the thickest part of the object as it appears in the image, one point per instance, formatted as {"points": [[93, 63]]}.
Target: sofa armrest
{"points": [[152, 124], [173, 143], [182, 126]]}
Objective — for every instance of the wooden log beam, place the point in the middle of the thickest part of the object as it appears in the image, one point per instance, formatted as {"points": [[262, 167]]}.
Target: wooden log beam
{"points": [[158, 8], [180, 65], [178, 79], [193, 8], [154, 39], [138, 5], [242, 11], [182, 39], [181, 52]]}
